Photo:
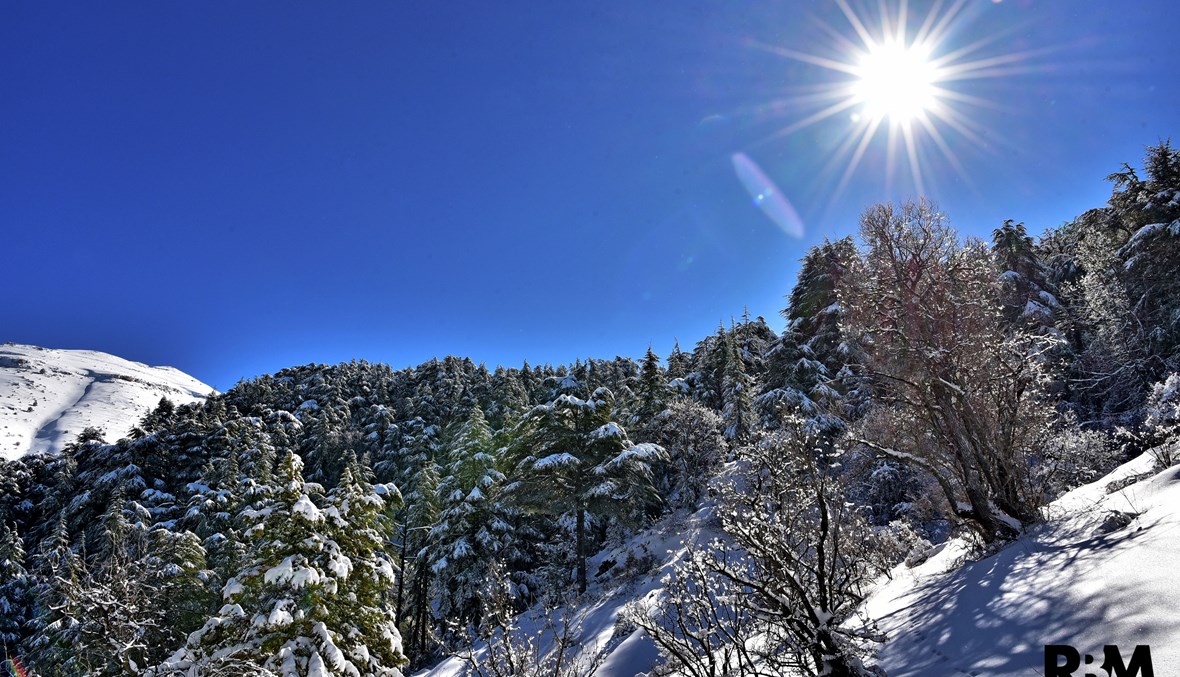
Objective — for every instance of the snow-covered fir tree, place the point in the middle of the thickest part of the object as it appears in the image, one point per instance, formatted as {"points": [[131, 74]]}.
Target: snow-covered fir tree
{"points": [[15, 596], [469, 532], [679, 362], [51, 646], [651, 390], [737, 393], [306, 602], [572, 459], [811, 369]]}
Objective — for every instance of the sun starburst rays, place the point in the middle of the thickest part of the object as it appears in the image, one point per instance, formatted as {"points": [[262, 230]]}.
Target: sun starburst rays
{"points": [[903, 84]]}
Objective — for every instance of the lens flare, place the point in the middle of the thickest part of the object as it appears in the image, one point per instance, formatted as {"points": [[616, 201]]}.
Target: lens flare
{"points": [[767, 196], [13, 668]]}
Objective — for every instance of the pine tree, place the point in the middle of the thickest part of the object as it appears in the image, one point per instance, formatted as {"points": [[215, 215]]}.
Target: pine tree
{"points": [[413, 593], [53, 646], [117, 613], [752, 338], [292, 608], [1030, 302], [1024, 288], [327, 442], [811, 369], [692, 436], [380, 432], [813, 307], [15, 595], [216, 501], [177, 567], [573, 459], [163, 416], [142, 594], [791, 374], [15, 478], [1115, 270], [250, 443], [468, 534], [652, 389], [363, 625], [714, 355], [736, 395], [1150, 257], [679, 363], [510, 399]]}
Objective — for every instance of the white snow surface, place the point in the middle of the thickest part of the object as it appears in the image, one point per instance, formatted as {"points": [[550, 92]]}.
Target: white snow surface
{"points": [[1063, 582], [49, 396]]}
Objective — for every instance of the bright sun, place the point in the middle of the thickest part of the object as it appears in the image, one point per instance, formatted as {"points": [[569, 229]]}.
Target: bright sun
{"points": [[899, 76], [895, 82]]}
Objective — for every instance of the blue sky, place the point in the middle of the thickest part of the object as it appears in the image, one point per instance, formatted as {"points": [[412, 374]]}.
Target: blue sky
{"points": [[231, 188]]}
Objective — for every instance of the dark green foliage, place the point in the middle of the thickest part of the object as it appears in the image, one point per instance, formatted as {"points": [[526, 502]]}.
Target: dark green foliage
{"points": [[692, 436], [1151, 256], [310, 591], [811, 368], [1115, 266], [1023, 283], [471, 528], [737, 393], [813, 309], [679, 363], [572, 459], [15, 597], [414, 521], [1030, 299], [160, 418], [652, 388], [59, 571]]}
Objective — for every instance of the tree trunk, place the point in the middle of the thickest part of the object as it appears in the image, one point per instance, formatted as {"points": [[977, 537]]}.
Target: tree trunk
{"points": [[401, 574], [580, 548]]}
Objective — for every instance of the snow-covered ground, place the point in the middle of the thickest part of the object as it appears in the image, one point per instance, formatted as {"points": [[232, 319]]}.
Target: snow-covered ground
{"points": [[618, 575], [49, 396], [1086, 577], [1079, 579]]}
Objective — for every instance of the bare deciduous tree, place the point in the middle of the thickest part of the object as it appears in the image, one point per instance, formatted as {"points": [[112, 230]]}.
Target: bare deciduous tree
{"points": [[701, 623], [554, 647], [960, 392], [781, 596]]}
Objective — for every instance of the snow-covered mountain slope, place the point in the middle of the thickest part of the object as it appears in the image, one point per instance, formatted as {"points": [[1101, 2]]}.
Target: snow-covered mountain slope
{"points": [[49, 396], [1097, 572]]}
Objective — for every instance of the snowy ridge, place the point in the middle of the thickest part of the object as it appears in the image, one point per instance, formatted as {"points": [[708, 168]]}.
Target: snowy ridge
{"points": [[49, 396], [1097, 572]]}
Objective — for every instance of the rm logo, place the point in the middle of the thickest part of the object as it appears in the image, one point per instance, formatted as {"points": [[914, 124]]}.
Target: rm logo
{"points": [[1112, 663]]}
